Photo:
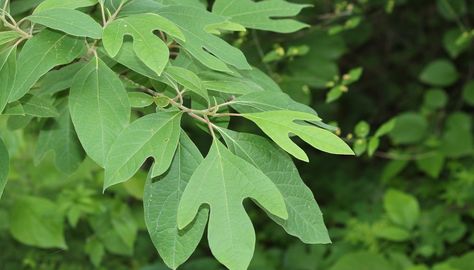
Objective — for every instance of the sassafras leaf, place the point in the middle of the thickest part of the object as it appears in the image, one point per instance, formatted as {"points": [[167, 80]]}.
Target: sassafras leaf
{"points": [[7, 74], [161, 200], [149, 48], [155, 135], [223, 181], [279, 124], [99, 108]]}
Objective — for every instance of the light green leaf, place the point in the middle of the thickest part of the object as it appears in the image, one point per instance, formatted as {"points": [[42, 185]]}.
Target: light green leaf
{"points": [[188, 79], [305, 219], [58, 79], [279, 124], [58, 136], [4, 166], [431, 165], [209, 49], [140, 100], [270, 15], [40, 54], [155, 135], [161, 200], [149, 48], [69, 21], [8, 36], [409, 128], [363, 260], [99, 108], [225, 83], [70, 4], [260, 102], [37, 222], [391, 232], [401, 208], [38, 106], [223, 181], [440, 72], [7, 74]]}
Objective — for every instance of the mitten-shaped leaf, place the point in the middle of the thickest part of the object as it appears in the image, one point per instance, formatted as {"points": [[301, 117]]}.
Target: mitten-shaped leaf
{"points": [[279, 124], [40, 54], [223, 181], [69, 21], [4, 166], [7, 74], [155, 135], [161, 200], [261, 15], [209, 49], [150, 49], [305, 219], [100, 108]]}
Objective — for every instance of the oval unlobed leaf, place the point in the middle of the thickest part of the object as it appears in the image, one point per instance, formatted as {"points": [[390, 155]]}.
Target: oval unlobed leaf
{"points": [[70, 4], [223, 181], [69, 21], [155, 135], [39, 55], [99, 108]]}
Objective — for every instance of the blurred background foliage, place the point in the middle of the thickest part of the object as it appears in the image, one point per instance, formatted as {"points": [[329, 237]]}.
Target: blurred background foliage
{"points": [[397, 79]]}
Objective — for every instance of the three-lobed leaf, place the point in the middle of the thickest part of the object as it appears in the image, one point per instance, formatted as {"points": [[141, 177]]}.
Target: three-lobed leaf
{"points": [[279, 124], [270, 15], [149, 48], [223, 181]]}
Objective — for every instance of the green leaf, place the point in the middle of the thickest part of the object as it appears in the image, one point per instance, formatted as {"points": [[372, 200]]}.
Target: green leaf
{"points": [[409, 128], [269, 15], [8, 36], [40, 54], [439, 72], [451, 44], [223, 181], [38, 106], [468, 93], [70, 4], [69, 21], [7, 74], [279, 124], [210, 50], [37, 222], [155, 135], [362, 260], [140, 100], [95, 249], [188, 79], [260, 102], [225, 83], [401, 208], [99, 108], [305, 219], [451, 9], [457, 139], [59, 79], [435, 98], [58, 136], [391, 232], [161, 200], [149, 48], [4, 166], [431, 165]]}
